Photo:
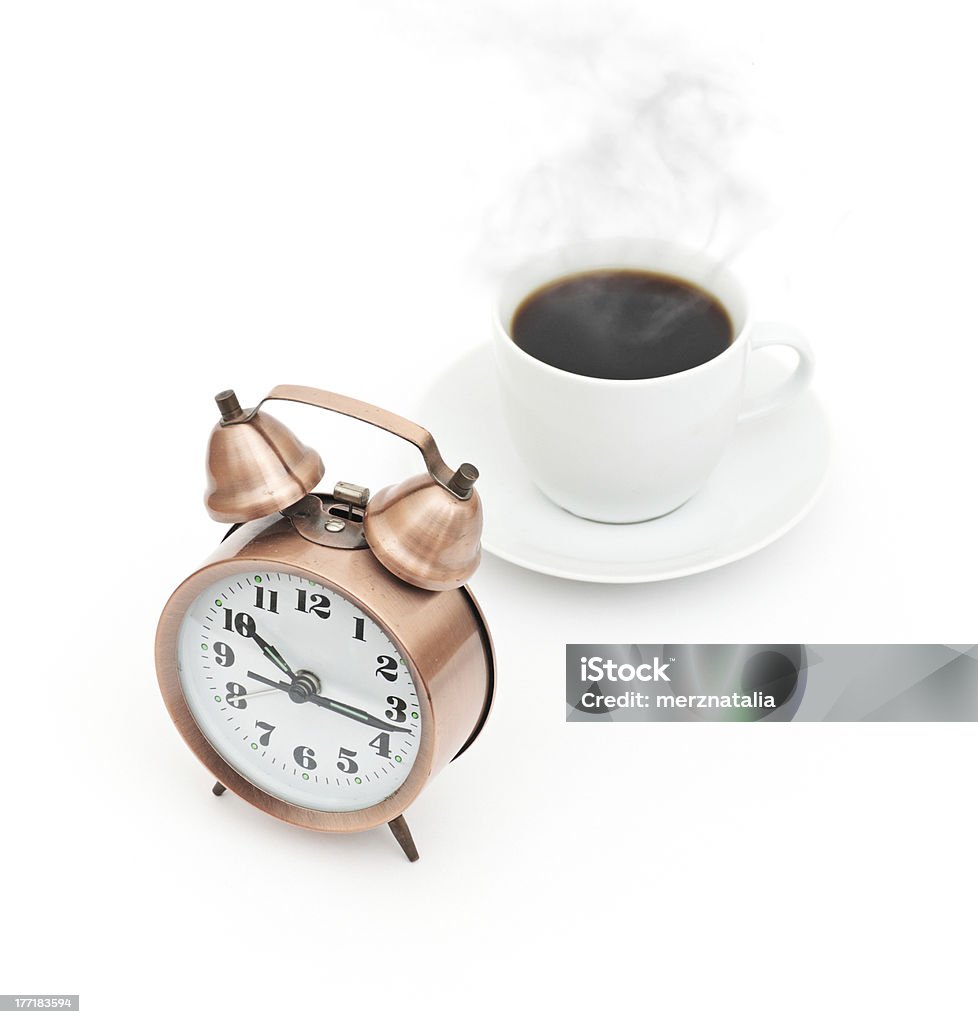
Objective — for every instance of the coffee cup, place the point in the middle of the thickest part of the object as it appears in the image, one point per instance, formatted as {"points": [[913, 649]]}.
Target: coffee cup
{"points": [[628, 450]]}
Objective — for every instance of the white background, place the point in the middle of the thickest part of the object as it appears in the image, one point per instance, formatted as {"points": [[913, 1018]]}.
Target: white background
{"points": [[201, 195]]}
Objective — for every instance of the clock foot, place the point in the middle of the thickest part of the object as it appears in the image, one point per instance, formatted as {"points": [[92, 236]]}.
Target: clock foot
{"points": [[219, 789], [403, 836]]}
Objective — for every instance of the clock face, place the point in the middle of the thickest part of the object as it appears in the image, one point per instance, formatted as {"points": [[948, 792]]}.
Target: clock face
{"points": [[299, 690]]}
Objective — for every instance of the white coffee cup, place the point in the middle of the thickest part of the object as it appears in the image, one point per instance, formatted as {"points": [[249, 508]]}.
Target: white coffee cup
{"points": [[624, 451]]}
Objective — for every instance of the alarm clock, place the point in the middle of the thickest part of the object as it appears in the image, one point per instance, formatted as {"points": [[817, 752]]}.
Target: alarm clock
{"points": [[328, 659]]}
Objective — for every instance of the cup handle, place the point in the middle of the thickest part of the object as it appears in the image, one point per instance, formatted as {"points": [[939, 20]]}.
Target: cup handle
{"points": [[767, 333]]}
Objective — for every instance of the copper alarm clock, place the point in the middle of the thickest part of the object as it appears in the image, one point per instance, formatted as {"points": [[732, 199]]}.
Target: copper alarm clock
{"points": [[328, 659]]}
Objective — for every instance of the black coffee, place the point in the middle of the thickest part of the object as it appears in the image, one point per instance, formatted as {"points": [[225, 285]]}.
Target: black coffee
{"points": [[622, 324]]}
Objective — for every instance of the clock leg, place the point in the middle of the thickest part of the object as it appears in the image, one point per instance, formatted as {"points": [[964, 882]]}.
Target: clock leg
{"points": [[403, 836], [219, 789]]}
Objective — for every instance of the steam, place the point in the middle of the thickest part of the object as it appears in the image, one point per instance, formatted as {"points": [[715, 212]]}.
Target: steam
{"points": [[659, 148], [628, 133]]}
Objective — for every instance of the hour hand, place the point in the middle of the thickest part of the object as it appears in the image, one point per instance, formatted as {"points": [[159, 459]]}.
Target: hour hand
{"points": [[273, 655]]}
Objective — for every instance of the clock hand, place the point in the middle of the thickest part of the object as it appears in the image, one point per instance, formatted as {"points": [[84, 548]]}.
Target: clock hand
{"points": [[286, 687], [273, 655], [355, 713], [255, 693], [300, 696]]}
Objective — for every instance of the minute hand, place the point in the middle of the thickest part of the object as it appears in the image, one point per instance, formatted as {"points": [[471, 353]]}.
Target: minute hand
{"points": [[301, 697], [355, 713]]}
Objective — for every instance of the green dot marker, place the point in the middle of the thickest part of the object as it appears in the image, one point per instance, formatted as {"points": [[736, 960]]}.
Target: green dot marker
{"points": [[218, 602], [254, 746], [203, 647], [402, 661], [305, 776], [218, 699], [397, 757], [414, 714], [258, 579], [358, 780]]}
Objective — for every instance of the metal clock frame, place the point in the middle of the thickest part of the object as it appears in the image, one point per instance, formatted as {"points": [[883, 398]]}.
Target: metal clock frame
{"points": [[442, 637]]}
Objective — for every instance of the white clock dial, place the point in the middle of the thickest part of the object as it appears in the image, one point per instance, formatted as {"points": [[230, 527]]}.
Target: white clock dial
{"points": [[299, 690]]}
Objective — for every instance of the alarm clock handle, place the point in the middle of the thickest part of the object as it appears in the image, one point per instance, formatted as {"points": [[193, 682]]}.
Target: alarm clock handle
{"points": [[459, 482]]}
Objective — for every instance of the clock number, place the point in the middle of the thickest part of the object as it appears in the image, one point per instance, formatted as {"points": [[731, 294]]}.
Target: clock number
{"points": [[399, 707], [267, 731], [346, 762], [388, 668], [236, 694], [318, 603], [382, 744], [305, 757], [272, 600], [358, 629], [223, 654], [241, 623]]}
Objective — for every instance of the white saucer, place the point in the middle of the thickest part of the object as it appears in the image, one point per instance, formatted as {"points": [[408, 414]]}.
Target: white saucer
{"points": [[769, 478]]}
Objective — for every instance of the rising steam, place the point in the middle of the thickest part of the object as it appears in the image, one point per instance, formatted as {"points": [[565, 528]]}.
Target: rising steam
{"points": [[659, 150]]}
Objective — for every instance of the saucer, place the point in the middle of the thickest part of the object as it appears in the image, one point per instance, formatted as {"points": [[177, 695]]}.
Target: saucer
{"points": [[767, 481]]}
